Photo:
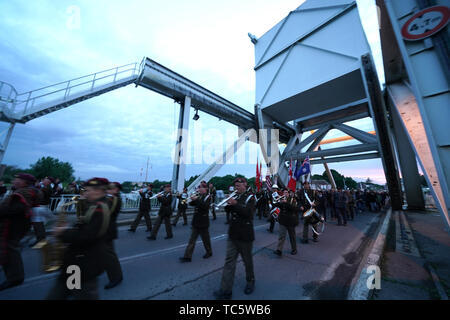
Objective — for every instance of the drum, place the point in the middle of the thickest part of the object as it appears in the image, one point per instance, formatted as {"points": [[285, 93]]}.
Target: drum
{"points": [[275, 212]]}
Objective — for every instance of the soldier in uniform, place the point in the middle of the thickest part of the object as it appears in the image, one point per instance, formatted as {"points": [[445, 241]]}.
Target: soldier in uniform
{"points": [[144, 209], [164, 214], [288, 219], [113, 268], [272, 201], [86, 245], [15, 216], [200, 224], [340, 204], [212, 193], [182, 206], [307, 195], [240, 240]]}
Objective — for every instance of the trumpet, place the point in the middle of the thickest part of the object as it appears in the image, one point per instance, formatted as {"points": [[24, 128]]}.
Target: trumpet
{"points": [[53, 249], [193, 194], [156, 195], [224, 201]]}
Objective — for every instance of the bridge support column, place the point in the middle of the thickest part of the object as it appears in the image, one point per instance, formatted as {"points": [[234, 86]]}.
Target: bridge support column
{"points": [[378, 113], [268, 139], [179, 161], [4, 144], [408, 165]]}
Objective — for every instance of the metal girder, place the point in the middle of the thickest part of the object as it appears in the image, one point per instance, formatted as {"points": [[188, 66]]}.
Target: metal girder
{"points": [[322, 131], [4, 144], [347, 158], [357, 116], [359, 135], [336, 151], [317, 141], [378, 110], [222, 159], [179, 163]]}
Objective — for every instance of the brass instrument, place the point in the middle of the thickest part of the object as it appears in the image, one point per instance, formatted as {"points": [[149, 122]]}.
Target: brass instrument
{"points": [[53, 249], [156, 195], [224, 201], [193, 194]]}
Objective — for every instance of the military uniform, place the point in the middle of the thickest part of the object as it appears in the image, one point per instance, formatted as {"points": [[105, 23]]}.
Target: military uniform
{"points": [[212, 193], [200, 225], [182, 207], [112, 264], [86, 248], [240, 241], [164, 214], [306, 206], [288, 220], [15, 222], [144, 210], [340, 205]]}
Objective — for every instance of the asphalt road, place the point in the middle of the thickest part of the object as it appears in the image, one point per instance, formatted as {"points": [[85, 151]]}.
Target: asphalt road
{"points": [[151, 269]]}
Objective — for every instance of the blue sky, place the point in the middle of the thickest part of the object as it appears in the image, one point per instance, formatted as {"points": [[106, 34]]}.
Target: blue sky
{"points": [[113, 135]]}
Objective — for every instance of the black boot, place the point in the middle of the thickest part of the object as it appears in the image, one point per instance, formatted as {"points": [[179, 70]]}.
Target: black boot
{"points": [[250, 287]]}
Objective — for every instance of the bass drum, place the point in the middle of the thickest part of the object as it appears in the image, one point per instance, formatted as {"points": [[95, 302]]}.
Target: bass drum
{"points": [[316, 221]]}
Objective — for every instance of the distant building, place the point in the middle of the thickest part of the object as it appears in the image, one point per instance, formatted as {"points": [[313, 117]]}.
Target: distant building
{"points": [[320, 185]]}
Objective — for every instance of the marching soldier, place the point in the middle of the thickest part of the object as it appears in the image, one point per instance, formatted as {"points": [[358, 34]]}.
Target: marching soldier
{"points": [[86, 243], [200, 224], [182, 206], [113, 268], [15, 216], [144, 209], [240, 240], [340, 204], [288, 219], [227, 208], [307, 197], [272, 201], [164, 214], [212, 193]]}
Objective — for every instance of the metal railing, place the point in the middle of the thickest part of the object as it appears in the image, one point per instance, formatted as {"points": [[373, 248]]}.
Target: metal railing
{"points": [[130, 202], [25, 102]]}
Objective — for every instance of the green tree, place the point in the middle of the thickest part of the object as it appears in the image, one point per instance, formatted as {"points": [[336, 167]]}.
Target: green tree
{"points": [[48, 166], [127, 186], [10, 172]]}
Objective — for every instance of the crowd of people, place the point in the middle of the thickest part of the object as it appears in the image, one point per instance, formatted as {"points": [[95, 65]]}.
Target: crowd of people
{"points": [[89, 243]]}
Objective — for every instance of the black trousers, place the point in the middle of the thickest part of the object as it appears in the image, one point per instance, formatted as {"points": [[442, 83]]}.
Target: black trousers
{"points": [[341, 215], [39, 230], [181, 212], [272, 223], [282, 237], [213, 211], [112, 264], [146, 215], [88, 290], [306, 231], [204, 234], [13, 264], [159, 220]]}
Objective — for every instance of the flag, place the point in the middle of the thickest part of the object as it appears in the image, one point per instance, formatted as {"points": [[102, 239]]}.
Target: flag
{"points": [[258, 177], [304, 169], [292, 183], [268, 181]]}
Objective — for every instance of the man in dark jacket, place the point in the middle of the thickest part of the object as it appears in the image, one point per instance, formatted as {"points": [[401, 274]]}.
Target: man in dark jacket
{"points": [[15, 215], [86, 246], [182, 207], [144, 208], [288, 220], [340, 203], [200, 224], [240, 240], [164, 214], [308, 200], [113, 268]]}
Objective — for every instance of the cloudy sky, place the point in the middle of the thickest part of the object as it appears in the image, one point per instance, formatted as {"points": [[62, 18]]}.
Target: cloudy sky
{"points": [[113, 135]]}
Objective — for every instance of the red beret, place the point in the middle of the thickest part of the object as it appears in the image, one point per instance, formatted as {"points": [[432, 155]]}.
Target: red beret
{"points": [[96, 182], [240, 180], [26, 177]]}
